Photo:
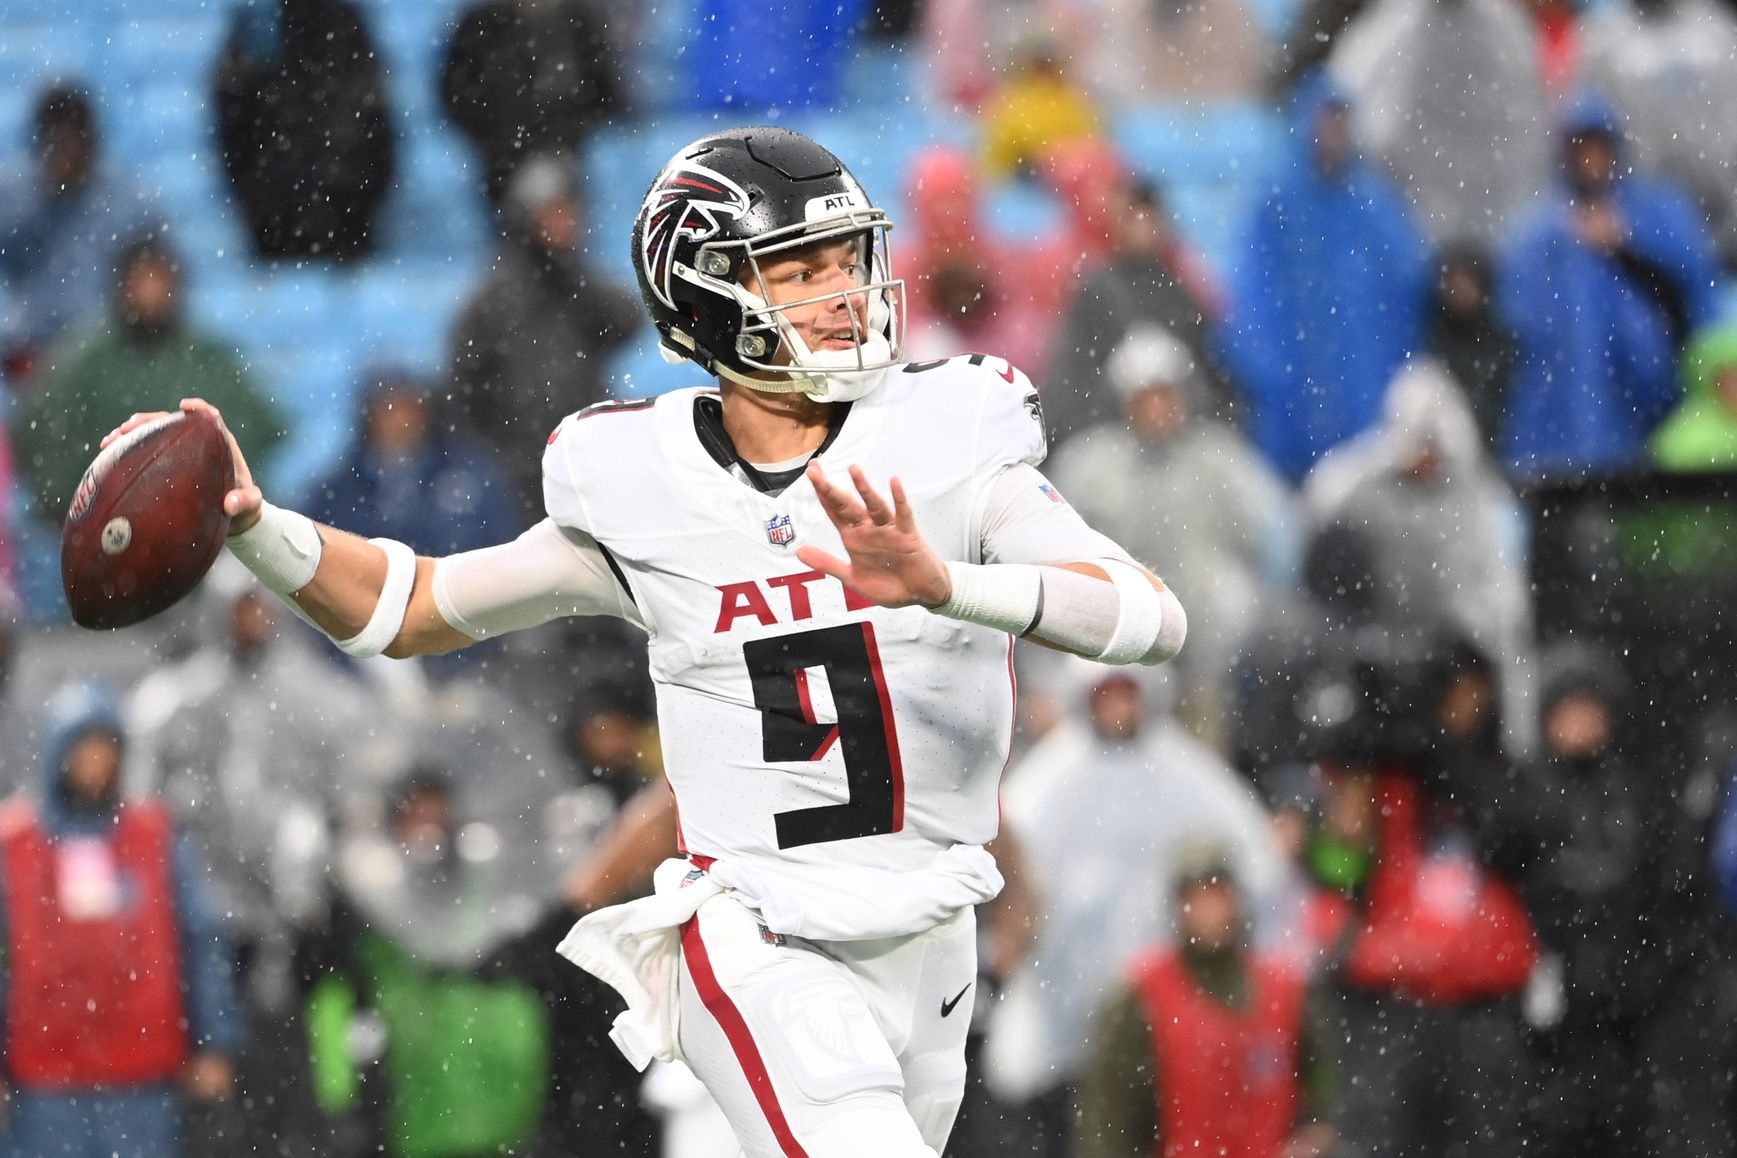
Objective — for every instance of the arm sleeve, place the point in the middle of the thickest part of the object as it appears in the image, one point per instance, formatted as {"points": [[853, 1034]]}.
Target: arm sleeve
{"points": [[546, 573], [1118, 1115], [1024, 519]]}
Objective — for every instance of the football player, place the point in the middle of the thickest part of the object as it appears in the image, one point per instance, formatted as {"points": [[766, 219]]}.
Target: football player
{"points": [[831, 552]]}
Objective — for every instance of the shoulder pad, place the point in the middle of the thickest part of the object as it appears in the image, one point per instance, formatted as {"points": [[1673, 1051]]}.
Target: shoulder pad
{"points": [[572, 446], [1009, 417]]}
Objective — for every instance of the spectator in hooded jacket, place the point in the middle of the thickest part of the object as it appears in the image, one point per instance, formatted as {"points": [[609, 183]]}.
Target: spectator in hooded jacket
{"points": [[304, 126], [256, 798], [1603, 283], [144, 356], [1038, 106], [527, 77], [1446, 93], [1430, 947], [1102, 874], [1469, 336], [530, 347], [120, 990], [1446, 530], [1210, 1046], [412, 478], [1670, 66], [1327, 298], [1604, 856], [1148, 278], [1190, 494], [60, 219]]}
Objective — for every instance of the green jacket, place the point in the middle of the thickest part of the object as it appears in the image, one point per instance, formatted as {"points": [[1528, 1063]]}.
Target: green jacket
{"points": [[1701, 433], [103, 376], [466, 1062]]}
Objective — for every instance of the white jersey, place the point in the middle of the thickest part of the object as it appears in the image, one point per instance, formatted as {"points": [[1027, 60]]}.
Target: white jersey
{"points": [[837, 760]]}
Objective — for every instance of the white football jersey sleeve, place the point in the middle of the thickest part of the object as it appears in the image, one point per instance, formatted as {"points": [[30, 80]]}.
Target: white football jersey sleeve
{"points": [[836, 762]]}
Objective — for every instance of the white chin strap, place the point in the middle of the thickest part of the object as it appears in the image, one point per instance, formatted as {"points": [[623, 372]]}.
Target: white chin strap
{"points": [[832, 375]]}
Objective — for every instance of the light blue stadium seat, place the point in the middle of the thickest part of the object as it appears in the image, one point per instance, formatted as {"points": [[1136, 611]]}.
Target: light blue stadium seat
{"points": [[156, 50], [402, 313], [265, 309], [35, 54], [164, 122], [639, 371], [1210, 143], [437, 208], [316, 391], [16, 108]]}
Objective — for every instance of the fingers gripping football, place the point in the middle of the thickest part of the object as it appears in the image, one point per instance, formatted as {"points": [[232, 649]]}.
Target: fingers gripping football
{"points": [[241, 504], [889, 562]]}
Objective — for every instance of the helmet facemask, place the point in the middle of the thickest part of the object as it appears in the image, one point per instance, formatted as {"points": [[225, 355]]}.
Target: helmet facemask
{"points": [[770, 353]]}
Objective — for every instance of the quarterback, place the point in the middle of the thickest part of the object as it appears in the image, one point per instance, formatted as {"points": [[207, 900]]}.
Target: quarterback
{"points": [[831, 552]]}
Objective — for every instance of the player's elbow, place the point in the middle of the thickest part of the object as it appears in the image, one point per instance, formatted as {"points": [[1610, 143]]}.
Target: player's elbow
{"points": [[411, 642]]}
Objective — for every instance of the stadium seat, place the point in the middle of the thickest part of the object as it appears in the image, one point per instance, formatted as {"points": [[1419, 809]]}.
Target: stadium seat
{"points": [[403, 312], [35, 54], [1199, 143], [157, 50], [639, 370], [164, 123]]}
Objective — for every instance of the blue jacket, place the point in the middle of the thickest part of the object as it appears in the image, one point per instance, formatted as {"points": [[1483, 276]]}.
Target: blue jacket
{"points": [[208, 957], [1327, 299], [452, 497], [1597, 349], [57, 254]]}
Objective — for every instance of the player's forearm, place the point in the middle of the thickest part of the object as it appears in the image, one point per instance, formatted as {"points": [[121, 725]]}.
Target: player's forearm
{"points": [[369, 596], [1109, 611], [341, 597]]}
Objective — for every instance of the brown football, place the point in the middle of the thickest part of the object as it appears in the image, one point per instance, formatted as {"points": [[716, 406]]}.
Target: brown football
{"points": [[147, 521]]}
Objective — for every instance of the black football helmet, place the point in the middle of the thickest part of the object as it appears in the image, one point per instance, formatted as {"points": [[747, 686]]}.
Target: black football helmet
{"points": [[720, 206]]}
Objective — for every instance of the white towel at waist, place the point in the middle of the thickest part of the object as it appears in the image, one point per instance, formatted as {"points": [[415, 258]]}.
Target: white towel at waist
{"points": [[636, 948]]}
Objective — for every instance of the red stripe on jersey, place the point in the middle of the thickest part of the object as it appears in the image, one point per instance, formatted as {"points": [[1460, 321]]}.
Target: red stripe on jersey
{"points": [[803, 697], [898, 768], [729, 1019]]}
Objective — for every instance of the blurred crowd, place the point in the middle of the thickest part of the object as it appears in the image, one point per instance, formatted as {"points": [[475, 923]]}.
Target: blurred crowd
{"points": [[1423, 847]]}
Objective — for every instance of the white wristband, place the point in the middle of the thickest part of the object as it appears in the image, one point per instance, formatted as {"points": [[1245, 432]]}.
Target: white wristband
{"points": [[1005, 596], [282, 549], [388, 617]]}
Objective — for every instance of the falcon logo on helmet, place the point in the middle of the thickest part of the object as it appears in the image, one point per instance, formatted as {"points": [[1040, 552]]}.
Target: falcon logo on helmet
{"points": [[721, 207], [686, 202]]}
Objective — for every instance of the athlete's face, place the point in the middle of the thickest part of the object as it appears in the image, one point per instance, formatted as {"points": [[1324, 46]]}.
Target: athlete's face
{"points": [[828, 272]]}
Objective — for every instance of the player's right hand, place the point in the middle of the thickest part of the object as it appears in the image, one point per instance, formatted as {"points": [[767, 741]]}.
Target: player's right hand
{"points": [[241, 504]]}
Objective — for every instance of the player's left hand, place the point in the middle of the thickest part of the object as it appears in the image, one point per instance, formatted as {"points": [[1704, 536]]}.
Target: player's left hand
{"points": [[890, 563]]}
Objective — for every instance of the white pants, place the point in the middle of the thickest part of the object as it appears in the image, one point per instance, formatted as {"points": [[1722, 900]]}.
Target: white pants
{"points": [[836, 1049]]}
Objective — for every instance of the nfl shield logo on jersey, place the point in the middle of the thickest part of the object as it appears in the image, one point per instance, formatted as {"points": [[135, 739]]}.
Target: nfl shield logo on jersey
{"points": [[779, 532]]}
